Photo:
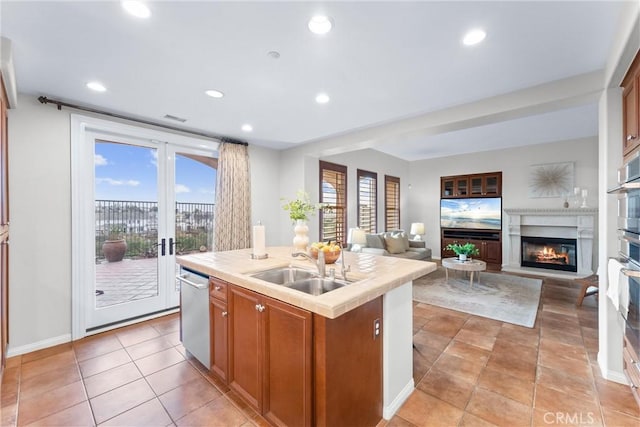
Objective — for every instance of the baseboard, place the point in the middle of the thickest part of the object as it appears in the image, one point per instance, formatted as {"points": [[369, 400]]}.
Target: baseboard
{"points": [[390, 410], [38, 345]]}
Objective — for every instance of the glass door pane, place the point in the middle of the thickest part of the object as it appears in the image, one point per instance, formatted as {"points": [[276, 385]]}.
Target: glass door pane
{"points": [[195, 184], [126, 211]]}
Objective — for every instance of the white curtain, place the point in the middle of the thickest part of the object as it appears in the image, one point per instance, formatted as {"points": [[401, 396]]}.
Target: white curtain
{"points": [[232, 214]]}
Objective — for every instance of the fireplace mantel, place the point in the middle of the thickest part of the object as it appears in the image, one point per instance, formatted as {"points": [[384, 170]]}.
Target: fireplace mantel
{"points": [[547, 212], [575, 223]]}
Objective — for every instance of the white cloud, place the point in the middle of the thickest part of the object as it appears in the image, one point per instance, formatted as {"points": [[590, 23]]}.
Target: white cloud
{"points": [[154, 157], [100, 160], [207, 191], [182, 189], [111, 181]]}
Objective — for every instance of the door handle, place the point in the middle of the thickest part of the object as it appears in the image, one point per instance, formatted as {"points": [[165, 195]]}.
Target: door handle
{"points": [[162, 247], [172, 244]]}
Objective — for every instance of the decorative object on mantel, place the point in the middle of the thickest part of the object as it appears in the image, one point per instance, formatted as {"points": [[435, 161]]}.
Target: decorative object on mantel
{"points": [[503, 297], [463, 251], [584, 198], [299, 211], [550, 180]]}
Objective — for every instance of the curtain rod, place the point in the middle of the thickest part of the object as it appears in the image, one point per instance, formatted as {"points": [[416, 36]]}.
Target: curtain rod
{"points": [[60, 104]]}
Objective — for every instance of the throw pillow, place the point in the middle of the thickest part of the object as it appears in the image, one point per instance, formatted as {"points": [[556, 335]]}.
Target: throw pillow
{"points": [[394, 244], [375, 241], [405, 239]]}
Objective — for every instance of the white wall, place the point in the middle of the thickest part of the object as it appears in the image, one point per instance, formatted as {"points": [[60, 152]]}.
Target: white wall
{"points": [[40, 209], [424, 177]]}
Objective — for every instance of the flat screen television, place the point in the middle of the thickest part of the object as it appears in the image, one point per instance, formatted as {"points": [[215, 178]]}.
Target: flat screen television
{"points": [[474, 213]]}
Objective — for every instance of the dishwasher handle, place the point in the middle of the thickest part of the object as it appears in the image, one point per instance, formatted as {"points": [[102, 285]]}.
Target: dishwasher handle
{"points": [[183, 279]]}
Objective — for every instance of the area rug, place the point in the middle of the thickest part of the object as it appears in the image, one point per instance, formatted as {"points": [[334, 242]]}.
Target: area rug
{"points": [[503, 297]]}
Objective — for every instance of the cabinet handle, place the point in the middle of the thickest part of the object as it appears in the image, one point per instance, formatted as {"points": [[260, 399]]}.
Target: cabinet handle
{"points": [[631, 137], [260, 307], [224, 314], [217, 288]]}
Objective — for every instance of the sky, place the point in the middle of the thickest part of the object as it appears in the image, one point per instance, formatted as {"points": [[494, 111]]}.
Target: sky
{"points": [[128, 172]]}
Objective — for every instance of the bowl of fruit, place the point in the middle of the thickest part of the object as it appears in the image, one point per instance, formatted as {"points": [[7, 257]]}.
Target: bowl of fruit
{"points": [[331, 251]]}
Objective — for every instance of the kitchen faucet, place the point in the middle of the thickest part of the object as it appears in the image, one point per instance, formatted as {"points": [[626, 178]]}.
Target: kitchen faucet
{"points": [[320, 263], [343, 269]]}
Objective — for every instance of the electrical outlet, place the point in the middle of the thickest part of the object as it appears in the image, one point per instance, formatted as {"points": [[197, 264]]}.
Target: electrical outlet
{"points": [[376, 329]]}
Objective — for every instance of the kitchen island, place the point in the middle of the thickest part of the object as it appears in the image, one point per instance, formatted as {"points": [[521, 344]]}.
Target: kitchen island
{"points": [[335, 340]]}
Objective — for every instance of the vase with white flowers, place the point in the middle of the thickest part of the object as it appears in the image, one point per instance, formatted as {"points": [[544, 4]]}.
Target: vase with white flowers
{"points": [[299, 210]]}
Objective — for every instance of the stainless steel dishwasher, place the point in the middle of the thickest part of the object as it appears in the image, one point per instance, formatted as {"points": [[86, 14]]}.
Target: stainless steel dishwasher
{"points": [[194, 314]]}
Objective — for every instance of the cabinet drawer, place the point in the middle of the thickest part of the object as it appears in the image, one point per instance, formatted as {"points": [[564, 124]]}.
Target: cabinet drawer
{"points": [[218, 289]]}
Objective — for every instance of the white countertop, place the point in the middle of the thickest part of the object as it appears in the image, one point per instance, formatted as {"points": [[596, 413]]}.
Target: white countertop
{"points": [[375, 275]]}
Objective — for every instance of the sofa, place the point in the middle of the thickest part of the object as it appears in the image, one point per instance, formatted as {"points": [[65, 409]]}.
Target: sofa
{"points": [[396, 243]]}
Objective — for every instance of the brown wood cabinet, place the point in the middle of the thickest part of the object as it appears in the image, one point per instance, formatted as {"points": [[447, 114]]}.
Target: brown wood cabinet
{"points": [[348, 367], [489, 243], [270, 357], [297, 368], [218, 318], [631, 110], [476, 185]]}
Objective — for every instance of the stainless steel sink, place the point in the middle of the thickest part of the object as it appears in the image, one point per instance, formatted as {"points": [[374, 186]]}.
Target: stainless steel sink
{"points": [[300, 279], [317, 285], [284, 275]]}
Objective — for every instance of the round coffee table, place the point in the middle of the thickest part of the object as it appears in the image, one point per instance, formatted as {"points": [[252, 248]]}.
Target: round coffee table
{"points": [[469, 266]]}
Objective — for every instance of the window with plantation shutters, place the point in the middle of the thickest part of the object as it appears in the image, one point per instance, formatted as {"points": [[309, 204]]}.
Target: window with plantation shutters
{"points": [[367, 201], [333, 193], [391, 203]]}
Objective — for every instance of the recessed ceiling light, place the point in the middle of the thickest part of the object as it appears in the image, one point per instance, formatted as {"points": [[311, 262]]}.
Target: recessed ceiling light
{"points": [[474, 37], [136, 8], [214, 93], [320, 24], [97, 86], [322, 98], [247, 127]]}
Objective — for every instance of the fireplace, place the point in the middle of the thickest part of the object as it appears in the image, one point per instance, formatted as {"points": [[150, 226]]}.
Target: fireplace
{"points": [[549, 252]]}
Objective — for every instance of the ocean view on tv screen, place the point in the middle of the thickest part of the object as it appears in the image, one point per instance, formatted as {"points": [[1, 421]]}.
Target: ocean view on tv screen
{"points": [[480, 213]]}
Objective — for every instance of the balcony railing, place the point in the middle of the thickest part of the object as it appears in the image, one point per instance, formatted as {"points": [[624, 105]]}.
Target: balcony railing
{"points": [[137, 223]]}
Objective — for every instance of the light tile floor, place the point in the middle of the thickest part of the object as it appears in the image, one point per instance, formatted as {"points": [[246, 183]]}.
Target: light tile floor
{"points": [[469, 371]]}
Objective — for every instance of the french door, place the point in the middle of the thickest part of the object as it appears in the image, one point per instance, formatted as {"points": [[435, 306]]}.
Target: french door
{"points": [[128, 223]]}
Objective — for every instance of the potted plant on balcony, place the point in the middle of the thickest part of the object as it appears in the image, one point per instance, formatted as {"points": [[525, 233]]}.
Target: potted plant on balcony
{"points": [[115, 246], [463, 251]]}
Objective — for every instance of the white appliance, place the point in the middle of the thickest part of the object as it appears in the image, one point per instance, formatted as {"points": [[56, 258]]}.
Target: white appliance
{"points": [[194, 313]]}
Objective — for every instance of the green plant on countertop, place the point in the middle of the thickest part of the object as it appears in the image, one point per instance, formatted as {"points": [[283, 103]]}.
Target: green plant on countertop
{"points": [[301, 207], [466, 249]]}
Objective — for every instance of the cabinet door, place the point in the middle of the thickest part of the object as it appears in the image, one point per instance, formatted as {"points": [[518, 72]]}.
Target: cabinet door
{"points": [[218, 316], [446, 253], [476, 185], [447, 187], [245, 346], [492, 185], [288, 364], [630, 116], [462, 186]]}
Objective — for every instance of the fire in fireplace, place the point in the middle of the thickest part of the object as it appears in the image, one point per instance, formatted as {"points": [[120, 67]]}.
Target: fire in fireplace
{"points": [[549, 252]]}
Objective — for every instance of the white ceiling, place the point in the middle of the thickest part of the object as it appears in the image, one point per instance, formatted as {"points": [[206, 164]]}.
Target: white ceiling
{"points": [[382, 63]]}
